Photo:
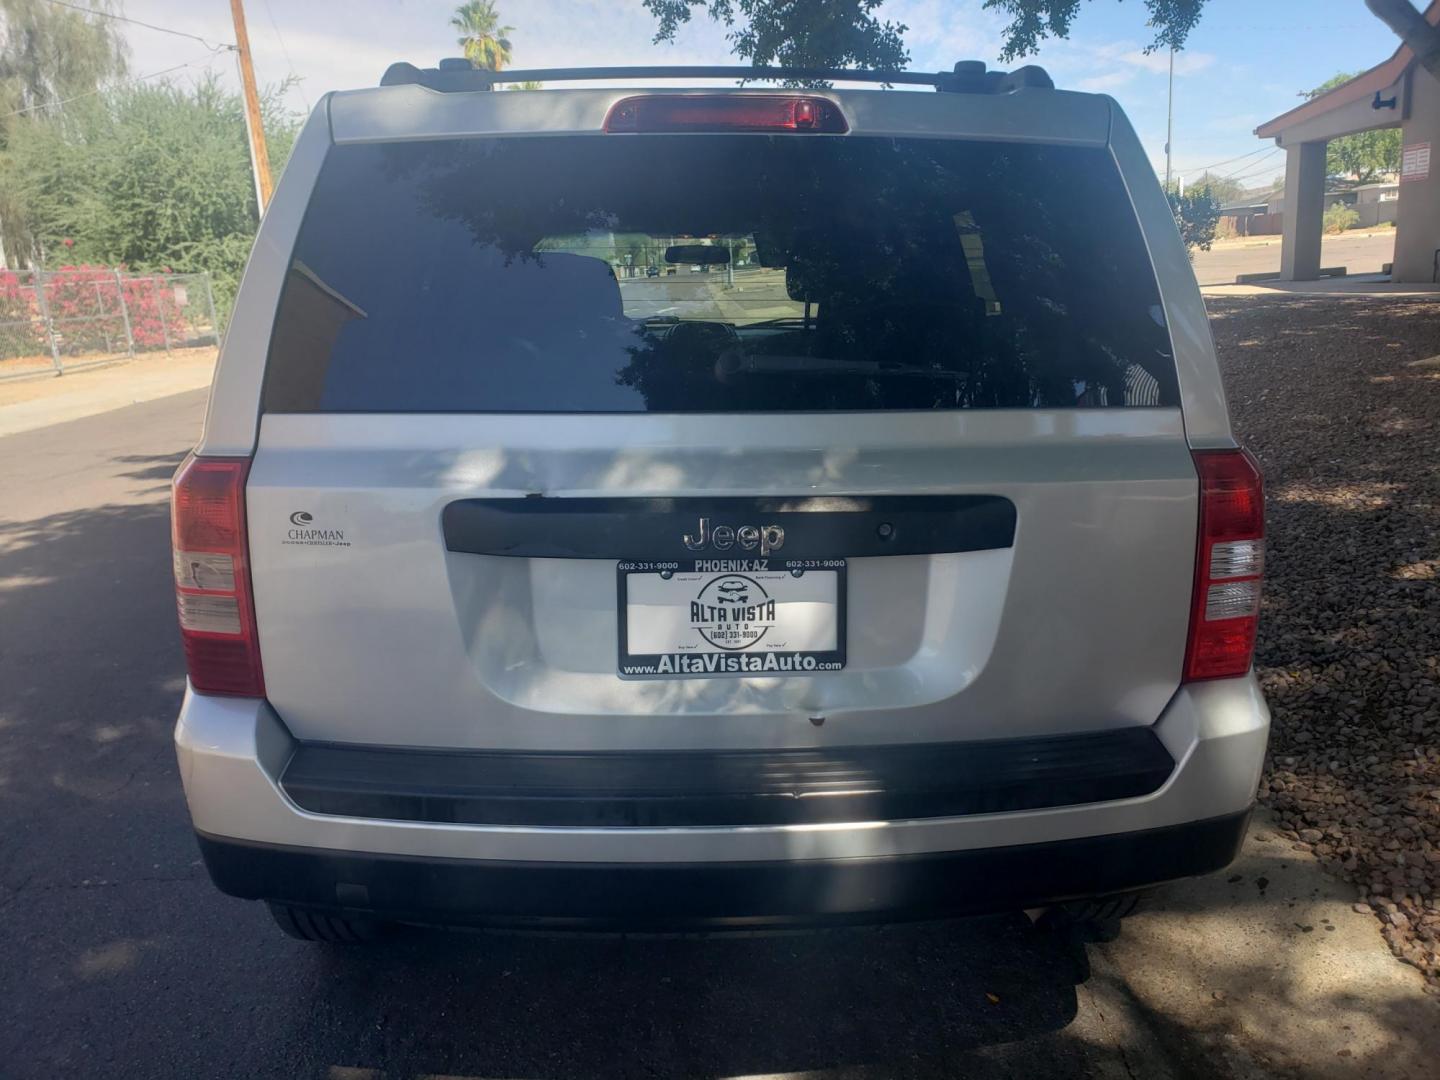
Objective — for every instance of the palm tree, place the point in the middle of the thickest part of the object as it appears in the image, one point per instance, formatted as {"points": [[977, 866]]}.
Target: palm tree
{"points": [[481, 35]]}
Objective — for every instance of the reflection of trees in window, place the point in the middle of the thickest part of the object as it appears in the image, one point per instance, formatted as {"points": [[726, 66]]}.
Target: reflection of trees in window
{"points": [[1016, 274]]}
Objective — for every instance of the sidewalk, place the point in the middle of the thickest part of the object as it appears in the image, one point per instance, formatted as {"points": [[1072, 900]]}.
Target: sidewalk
{"points": [[1267, 968], [1273, 239], [1350, 285], [26, 404]]}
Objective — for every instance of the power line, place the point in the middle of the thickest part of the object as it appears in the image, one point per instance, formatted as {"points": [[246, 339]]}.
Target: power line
{"points": [[101, 89], [1248, 177], [288, 62], [1227, 161], [147, 26], [1237, 174], [1257, 172], [1274, 151]]}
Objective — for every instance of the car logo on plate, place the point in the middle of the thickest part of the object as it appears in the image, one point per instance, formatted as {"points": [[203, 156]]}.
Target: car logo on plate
{"points": [[732, 592], [732, 611]]}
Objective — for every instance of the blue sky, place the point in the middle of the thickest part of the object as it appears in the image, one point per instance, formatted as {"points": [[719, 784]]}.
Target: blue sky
{"points": [[1247, 61]]}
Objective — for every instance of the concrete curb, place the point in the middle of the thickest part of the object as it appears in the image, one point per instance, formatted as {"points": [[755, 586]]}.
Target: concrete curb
{"points": [[29, 404], [1266, 969]]}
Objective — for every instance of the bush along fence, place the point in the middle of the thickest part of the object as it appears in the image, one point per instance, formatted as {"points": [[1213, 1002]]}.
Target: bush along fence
{"points": [[54, 321]]}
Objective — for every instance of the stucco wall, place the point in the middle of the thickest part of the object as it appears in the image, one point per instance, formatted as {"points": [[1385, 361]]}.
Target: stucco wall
{"points": [[1373, 214]]}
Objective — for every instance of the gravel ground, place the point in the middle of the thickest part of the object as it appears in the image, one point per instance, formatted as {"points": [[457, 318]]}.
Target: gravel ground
{"points": [[1328, 394]]}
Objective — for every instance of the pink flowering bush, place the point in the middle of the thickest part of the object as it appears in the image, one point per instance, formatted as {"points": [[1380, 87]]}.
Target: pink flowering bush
{"points": [[20, 331], [84, 302]]}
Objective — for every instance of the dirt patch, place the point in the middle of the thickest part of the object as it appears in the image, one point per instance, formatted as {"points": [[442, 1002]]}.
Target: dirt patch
{"points": [[27, 404], [47, 385], [1323, 391]]}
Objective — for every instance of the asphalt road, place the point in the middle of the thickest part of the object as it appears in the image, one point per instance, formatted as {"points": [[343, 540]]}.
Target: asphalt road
{"points": [[118, 958], [1360, 254], [747, 295]]}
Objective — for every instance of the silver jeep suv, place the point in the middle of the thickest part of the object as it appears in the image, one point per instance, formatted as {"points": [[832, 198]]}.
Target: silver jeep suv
{"points": [[886, 551]]}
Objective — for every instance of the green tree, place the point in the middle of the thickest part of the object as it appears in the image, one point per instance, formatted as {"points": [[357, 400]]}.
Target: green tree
{"points": [[1197, 212], [846, 33], [631, 251], [1032, 21], [484, 40], [49, 54], [818, 33], [1363, 157], [1339, 217], [1222, 188], [146, 176]]}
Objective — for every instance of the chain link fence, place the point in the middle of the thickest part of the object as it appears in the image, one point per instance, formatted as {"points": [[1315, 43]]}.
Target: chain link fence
{"points": [[56, 321]]}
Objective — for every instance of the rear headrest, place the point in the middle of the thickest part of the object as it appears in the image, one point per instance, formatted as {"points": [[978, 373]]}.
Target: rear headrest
{"points": [[579, 283], [923, 277], [804, 280], [821, 274]]}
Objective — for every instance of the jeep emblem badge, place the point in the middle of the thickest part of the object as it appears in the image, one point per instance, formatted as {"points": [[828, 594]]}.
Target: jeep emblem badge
{"points": [[767, 538]]}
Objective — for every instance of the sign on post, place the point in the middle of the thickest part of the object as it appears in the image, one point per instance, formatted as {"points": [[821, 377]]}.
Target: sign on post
{"points": [[1415, 162]]}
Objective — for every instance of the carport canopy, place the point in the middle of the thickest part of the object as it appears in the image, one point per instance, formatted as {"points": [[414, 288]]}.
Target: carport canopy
{"points": [[1395, 93]]}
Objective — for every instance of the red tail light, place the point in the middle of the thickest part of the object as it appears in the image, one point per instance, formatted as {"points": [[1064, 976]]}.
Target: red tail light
{"points": [[212, 576], [726, 112], [1229, 562]]}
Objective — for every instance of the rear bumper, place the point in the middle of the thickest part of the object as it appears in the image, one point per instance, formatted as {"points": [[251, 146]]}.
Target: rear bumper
{"points": [[233, 752], [458, 891], [726, 789]]}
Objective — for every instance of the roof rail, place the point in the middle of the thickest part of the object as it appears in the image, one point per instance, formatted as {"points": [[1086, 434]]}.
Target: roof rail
{"points": [[455, 74]]}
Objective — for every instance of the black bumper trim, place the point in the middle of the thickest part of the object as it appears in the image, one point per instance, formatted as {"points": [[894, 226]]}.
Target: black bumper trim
{"points": [[658, 895], [694, 789]]}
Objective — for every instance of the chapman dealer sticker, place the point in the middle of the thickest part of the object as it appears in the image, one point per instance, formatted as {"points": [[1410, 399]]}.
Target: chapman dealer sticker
{"points": [[305, 531]]}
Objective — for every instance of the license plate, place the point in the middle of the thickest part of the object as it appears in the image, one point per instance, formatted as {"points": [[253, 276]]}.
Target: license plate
{"points": [[716, 617]]}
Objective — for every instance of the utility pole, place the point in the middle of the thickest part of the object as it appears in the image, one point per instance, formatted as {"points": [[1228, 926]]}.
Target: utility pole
{"points": [[1169, 114], [259, 157]]}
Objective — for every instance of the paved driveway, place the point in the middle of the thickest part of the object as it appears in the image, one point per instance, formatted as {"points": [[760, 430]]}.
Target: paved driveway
{"points": [[1361, 253]]}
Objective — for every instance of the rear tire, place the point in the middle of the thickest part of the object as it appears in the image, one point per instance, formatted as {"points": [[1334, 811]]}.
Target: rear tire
{"points": [[1102, 909], [307, 924], [1095, 919]]}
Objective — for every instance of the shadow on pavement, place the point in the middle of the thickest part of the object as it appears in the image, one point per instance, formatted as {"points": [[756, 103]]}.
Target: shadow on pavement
{"points": [[150, 466], [910, 999]]}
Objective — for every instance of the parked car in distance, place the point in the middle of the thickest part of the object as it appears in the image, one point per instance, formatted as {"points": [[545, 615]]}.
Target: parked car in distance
{"points": [[920, 574]]}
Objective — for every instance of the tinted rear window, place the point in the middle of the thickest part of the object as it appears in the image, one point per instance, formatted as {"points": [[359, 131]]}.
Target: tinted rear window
{"points": [[737, 273]]}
